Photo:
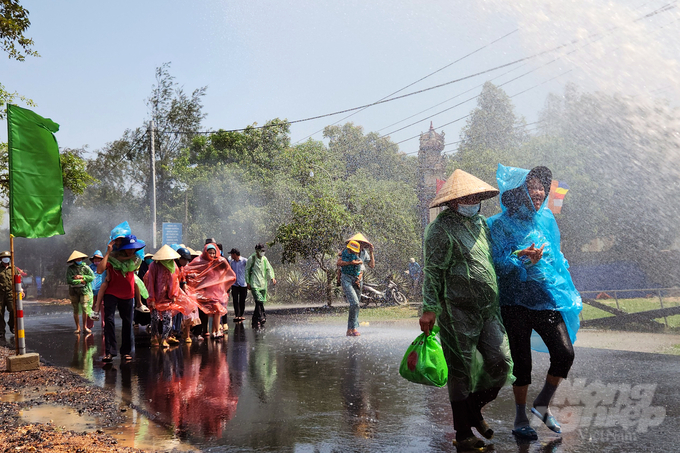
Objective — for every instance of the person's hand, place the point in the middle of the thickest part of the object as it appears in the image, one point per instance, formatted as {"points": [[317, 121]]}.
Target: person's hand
{"points": [[532, 253], [273, 281], [151, 303], [248, 286], [77, 277], [357, 262], [369, 247], [109, 247], [427, 321]]}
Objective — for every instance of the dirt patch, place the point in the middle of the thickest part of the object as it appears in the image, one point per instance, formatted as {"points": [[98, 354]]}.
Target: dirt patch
{"points": [[56, 386]]}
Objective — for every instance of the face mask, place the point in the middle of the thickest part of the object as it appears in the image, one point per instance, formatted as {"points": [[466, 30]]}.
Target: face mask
{"points": [[78, 263], [5, 260], [469, 210], [148, 260], [260, 254]]}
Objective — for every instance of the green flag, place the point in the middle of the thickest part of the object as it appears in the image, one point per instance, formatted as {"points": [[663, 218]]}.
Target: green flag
{"points": [[36, 189]]}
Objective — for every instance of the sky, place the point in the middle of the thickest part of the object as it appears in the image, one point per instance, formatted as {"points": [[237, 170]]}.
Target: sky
{"points": [[263, 59]]}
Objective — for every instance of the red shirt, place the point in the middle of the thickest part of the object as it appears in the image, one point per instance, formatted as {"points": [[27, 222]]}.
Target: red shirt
{"points": [[119, 286]]}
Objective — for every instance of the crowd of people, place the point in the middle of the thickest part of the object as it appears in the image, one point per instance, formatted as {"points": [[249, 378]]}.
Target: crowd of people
{"points": [[180, 294], [498, 288]]}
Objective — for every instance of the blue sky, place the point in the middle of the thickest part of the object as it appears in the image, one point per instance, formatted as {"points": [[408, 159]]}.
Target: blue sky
{"points": [[265, 59]]}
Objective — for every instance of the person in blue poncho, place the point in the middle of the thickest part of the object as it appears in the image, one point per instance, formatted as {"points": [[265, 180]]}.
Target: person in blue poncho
{"points": [[535, 288]]}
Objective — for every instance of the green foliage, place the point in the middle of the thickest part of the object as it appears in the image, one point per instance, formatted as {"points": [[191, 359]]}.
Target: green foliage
{"points": [[14, 23]]}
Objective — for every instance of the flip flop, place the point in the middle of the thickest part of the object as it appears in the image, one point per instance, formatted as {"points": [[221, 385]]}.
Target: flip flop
{"points": [[107, 358], [525, 433], [127, 358], [548, 420]]}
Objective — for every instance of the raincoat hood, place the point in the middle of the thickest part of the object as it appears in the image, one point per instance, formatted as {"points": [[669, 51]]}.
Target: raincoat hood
{"points": [[512, 183]]}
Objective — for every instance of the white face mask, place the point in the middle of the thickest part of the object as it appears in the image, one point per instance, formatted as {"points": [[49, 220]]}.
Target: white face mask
{"points": [[469, 210], [5, 260]]}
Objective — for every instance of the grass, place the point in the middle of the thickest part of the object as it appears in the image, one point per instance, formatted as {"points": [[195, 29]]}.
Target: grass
{"points": [[635, 306], [373, 314]]}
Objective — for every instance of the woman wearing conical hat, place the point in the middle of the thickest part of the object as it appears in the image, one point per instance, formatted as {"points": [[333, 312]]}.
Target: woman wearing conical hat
{"points": [[166, 298], [460, 292], [78, 277]]}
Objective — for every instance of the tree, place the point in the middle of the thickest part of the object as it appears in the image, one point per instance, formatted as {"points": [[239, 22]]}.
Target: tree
{"points": [[13, 24], [314, 232]]}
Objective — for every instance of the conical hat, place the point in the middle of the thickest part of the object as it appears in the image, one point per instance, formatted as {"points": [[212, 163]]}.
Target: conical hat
{"points": [[359, 238], [462, 184], [76, 255], [165, 253]]}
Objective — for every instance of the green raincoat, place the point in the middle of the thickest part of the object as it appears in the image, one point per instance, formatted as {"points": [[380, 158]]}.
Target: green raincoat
{"points": [[460, 287]]}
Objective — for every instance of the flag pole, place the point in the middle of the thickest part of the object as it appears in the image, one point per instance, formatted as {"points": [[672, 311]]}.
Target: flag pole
{"points": [[19, 333]]}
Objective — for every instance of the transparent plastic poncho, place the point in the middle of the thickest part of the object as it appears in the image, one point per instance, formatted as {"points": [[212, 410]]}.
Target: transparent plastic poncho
{"points": [[209, 279], [162, 282], [546, 285]]}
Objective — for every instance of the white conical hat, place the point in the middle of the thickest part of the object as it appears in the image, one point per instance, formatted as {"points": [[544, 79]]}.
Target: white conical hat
{"points": [[462, 184], [165, 253], [76, 255]]}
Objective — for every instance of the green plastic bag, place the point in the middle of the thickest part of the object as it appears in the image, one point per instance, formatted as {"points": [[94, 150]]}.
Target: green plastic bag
{"points": [[424, 361]]}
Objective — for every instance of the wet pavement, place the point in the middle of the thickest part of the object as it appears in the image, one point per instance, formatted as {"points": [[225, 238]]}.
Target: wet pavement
{"points": [[304, 387]]}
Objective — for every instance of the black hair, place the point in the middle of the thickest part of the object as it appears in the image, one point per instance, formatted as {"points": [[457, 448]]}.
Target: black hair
{"points": [[235, 252], [259, 246]]}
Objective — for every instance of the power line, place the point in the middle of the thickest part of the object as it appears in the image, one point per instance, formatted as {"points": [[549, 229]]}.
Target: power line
{"points": [[664, 8], [419, 80]]}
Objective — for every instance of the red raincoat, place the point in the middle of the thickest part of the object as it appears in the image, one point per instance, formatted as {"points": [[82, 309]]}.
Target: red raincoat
{"points": [[165, 292], [209, 280]]}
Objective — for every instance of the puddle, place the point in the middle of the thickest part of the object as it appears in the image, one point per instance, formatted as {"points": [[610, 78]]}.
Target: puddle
{"points": [[137, 431], [67, 417], [12, 398]]}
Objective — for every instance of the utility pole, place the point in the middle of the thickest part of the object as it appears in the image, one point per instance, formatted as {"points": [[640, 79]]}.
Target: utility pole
{"points": [[152, 126]]}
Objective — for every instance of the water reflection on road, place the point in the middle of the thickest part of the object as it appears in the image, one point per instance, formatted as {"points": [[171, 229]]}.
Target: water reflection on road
{"points": [[299, 386]]}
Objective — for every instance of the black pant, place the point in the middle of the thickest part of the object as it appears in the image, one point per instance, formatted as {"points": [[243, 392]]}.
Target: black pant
{"points": [[549, 324], [238, 296], [125, 309], [6, 302], [259, 316]]}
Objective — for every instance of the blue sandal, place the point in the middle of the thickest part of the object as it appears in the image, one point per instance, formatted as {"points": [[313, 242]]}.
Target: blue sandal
{"points": [[525, 433], [548, 420]]}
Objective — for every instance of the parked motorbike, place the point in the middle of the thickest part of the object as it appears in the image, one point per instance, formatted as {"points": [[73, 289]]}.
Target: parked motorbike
{"points": [[387, 297]]}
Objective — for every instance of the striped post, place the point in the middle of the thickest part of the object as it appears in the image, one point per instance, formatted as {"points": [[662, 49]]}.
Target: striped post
{"points": [[21, 337]]}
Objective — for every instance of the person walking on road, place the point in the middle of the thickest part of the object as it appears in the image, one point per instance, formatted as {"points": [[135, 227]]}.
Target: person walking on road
{"points": [[536, 290], [79, 278], [357, 254], [258, 274], [239, 290], [460, 292]]}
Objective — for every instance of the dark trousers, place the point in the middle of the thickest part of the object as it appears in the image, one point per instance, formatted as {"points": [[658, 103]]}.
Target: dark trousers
{"points": [[125, 308], [238, 297], [259, 316], [549, 324], [6, 302]]}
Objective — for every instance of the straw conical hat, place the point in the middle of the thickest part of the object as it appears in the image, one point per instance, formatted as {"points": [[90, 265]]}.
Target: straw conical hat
{"points": [[193, 252], [76, 255], [165, 253], [359, 238], [462, 184]]}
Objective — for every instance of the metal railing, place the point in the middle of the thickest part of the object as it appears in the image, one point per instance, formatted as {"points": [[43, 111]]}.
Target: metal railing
{"points": [[616, 295]]}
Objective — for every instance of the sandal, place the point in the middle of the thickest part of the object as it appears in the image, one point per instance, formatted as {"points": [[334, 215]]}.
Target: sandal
{"points": [[353, 333], [143, 309], [548, 420], [126, 358], [108, 358], [525, 433]]}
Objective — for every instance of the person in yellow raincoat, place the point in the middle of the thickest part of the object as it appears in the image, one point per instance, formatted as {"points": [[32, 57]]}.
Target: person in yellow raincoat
{"points": [[460, 292]]}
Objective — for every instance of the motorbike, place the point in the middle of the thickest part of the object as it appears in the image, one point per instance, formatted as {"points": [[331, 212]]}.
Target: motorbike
{"points": [[387, 297]]}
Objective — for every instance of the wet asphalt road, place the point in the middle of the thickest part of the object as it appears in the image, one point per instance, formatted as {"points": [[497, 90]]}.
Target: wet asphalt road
{"points": [[305, 387]]}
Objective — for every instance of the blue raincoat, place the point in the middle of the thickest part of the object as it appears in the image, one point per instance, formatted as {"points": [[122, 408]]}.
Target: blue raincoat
{"points": [[546, 285]]}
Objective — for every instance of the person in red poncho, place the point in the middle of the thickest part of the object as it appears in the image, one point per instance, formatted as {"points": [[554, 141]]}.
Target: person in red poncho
{"points": [[166, 298], [209, 278]]}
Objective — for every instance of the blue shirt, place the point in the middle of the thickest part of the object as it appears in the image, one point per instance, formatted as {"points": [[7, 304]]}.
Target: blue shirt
{"points": [[239, 268], [353, 269]]}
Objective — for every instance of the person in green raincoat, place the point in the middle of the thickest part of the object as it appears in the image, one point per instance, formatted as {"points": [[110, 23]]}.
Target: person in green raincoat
{"points": [[460, 292], [258, 274], [79, 278]]}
